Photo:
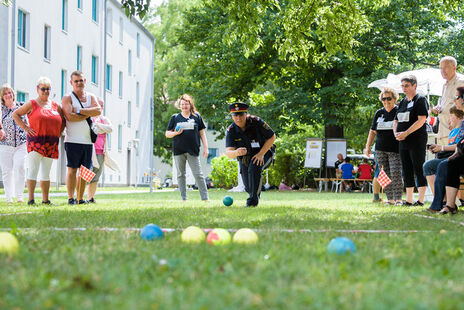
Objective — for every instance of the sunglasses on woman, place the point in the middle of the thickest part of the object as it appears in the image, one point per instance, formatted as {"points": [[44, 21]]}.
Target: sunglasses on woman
{"points": [[458, 97], [387, 98]]}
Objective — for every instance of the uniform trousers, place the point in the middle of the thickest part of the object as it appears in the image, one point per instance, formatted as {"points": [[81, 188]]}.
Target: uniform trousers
{"points": [[194, 164], [391, 163], [13, 172], [253, 178]]}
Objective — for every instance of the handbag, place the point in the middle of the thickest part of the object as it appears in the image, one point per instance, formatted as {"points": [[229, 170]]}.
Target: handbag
{"points": [[93, 134]]}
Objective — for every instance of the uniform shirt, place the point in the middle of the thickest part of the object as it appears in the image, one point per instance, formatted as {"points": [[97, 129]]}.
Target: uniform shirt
{"points": [[383, 125], [256, 133], [189, 140], [347, 170], [408, 112], [445, 103]]}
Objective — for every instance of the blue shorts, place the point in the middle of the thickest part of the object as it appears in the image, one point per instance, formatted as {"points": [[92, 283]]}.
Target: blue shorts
{"points": [[78, 154], [377, 169]]}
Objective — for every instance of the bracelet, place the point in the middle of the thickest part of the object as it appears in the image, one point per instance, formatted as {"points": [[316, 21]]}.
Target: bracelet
{"points": [[407, 132], [78, 111]]}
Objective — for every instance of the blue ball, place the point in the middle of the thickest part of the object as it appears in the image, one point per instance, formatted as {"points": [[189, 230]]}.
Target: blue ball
{"points": [[151, 232], [341, 245], [228, 201], [178, 127]]}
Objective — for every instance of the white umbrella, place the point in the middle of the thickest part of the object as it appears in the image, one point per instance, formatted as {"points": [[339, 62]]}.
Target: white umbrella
{"points": [[429, 81]]}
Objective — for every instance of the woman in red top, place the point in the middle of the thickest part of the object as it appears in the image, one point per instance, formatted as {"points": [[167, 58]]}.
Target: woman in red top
{"points": [[46, 124]]}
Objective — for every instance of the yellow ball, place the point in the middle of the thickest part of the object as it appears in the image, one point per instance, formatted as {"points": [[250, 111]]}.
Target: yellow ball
{"points": [[245, 236], [193, 234], [8, 243], [218, 236]]}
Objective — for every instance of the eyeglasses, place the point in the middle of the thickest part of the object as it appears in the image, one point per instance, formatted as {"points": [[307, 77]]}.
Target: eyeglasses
{"points": [[386, 98], [458, 97], [78, 81], [45, 89]]}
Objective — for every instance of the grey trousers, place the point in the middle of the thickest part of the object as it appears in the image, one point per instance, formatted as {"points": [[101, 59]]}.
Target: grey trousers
{"points": [[194, 164], [391, 163]]}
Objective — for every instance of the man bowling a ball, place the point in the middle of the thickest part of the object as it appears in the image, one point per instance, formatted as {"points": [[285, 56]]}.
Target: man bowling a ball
{"points": [[251, 141]]}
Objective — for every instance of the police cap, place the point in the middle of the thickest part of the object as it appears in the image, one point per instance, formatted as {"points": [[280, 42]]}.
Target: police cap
{"points": [[238, 108]]}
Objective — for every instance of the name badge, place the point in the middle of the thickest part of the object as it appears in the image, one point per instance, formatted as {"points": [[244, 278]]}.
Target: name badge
{"points": [[55, 113], [410, 104], [254, 144], [403, 117], [385, 126]]}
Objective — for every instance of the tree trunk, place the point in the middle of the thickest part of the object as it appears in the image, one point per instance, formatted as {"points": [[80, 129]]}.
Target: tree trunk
{"points": [[333, 131]]}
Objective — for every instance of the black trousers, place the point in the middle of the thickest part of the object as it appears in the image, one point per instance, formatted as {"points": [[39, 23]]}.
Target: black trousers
{"points": [[455, 169], [412, 161], [253, 178]]}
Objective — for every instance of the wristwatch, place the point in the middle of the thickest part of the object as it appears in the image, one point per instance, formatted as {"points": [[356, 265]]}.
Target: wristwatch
{"points": [[78, 111]]}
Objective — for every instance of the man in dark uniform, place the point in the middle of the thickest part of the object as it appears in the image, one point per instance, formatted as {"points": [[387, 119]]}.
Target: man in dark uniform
{"points": [[250, 140]]}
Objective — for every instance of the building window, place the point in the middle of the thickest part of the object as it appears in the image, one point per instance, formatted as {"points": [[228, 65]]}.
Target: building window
{"points": [[109, 21], [129, 116], [21, 97], [79, 58], [138, 44], [137, 136], [129, 62], [79, 4], [120, 84], [23, 29], [47, 42], [121, 30], [94, 69], [211, 154], [64, 16], [137, 94], [108, 141], [95, 10], [63, 83], [119, 138], [109, 82]]}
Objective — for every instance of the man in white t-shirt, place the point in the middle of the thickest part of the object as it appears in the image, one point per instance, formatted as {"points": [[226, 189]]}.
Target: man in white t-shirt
{"points": [[77, 107]]}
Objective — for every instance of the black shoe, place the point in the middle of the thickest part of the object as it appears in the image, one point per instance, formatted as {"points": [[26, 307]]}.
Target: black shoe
{"points": [[31, 202], [407, 204], [72, 201], [418, 204], [82, 202], [48, 202], [91, 200], [250, 206]]}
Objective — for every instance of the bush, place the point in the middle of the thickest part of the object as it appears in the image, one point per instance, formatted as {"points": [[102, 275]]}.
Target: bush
{"points": [[224, 172]]}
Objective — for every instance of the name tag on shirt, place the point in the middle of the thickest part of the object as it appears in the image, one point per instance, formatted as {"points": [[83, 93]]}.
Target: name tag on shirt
{"points": [[403, 117], [254, 144], [55, 113], [410, 104], [385, 126], [189, 125]]}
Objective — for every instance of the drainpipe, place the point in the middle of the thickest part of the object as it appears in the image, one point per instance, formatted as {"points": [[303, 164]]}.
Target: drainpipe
{"points": [[13, 45], [152, 168]]}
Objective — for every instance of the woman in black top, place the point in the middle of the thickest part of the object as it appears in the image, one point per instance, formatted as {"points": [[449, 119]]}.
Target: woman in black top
{"points": [[386, 145], [187, 128], [410, 131]]}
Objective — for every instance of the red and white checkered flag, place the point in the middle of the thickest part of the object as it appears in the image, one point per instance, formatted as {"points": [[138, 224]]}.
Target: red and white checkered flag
{"points": [[86, 174], [383, 179]]}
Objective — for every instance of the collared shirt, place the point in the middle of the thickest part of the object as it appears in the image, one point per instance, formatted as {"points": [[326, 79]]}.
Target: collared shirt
{"points": [[445, 103], [256, 133]]}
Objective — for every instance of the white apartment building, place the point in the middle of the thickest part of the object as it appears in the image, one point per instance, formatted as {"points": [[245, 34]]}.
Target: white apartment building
{"points": [[53, 38]]}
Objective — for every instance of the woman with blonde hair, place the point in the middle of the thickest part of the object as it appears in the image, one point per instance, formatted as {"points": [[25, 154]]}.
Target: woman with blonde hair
{"points": [[386, 145], [187, 129], [12, 147], [46, 123]]}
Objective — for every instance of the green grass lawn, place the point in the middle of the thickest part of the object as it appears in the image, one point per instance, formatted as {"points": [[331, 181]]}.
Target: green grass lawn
{"points": [[117, 270]]}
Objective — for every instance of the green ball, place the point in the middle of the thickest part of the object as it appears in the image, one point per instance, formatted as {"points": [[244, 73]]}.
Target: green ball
{"points": [[228, 201], [8, 243]]}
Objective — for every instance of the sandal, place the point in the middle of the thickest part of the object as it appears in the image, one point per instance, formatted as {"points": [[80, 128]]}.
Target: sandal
{"points": [[448, 209]]}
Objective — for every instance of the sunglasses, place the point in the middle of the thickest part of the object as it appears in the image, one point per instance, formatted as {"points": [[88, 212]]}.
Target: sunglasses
{"points": [[78, 81], [387, 98], [458, 97], [45, 89]]}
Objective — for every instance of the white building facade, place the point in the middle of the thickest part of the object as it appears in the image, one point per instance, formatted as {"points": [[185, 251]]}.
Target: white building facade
{"points": [[53, 38]]}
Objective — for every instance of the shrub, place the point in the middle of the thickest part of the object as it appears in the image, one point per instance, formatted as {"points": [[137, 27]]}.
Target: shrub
{"points": [[224, 172]]}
